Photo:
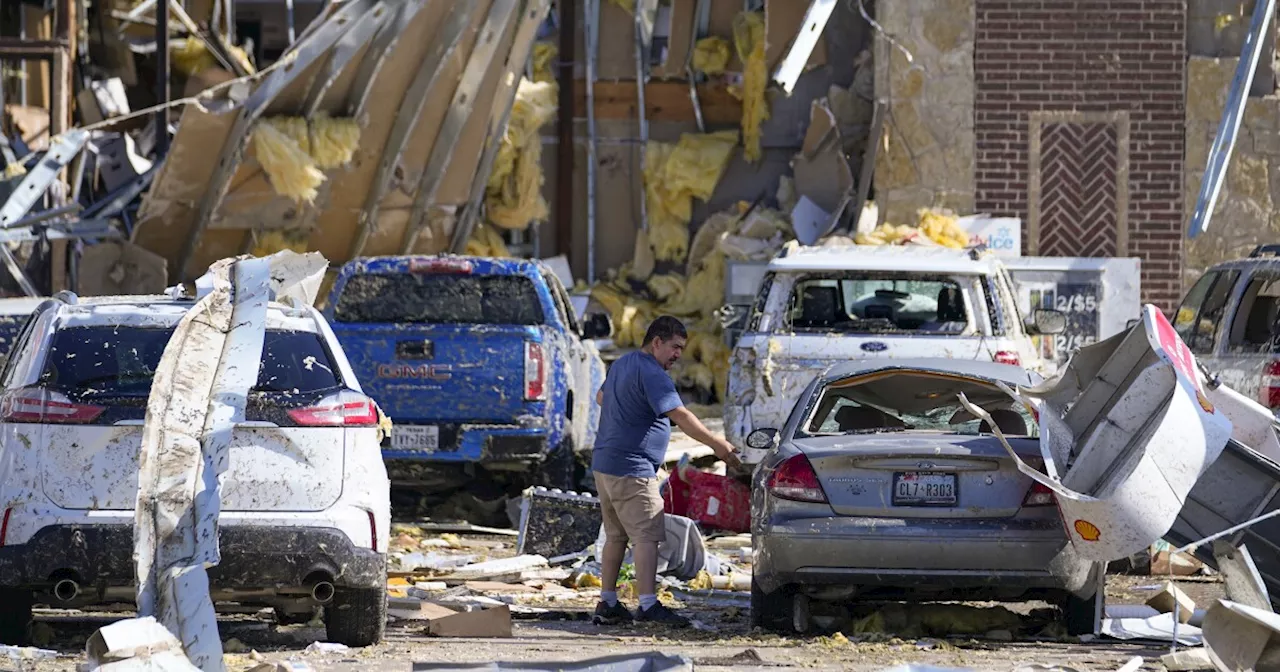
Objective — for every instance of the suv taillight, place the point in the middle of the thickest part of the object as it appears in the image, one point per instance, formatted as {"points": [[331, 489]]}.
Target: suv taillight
{"points": [[1008, 357], [1039, 495], [535, 372], [796, 480], [344, 409], [41, 405], [1269, 386]]}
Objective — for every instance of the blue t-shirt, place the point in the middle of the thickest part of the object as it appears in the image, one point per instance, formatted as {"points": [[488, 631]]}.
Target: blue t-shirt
{"points": [[634, 429]]}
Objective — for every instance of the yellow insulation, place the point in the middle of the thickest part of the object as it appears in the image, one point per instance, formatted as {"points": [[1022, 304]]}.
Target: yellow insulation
{"points": [[330, 141], [291, 171], [191, 57], [676, 174], [270, 242], [711, 55], [513, 195], [486, 242], [544, 56], [943, 229], [748, 40], [14, 169]]}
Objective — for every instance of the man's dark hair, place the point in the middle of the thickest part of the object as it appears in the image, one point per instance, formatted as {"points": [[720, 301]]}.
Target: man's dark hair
{"points": [[666, 328]]}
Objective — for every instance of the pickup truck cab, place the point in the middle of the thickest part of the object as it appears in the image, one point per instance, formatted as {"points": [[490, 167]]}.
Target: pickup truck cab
{"points": [[819, 306], [1230, 319], [476, 360]]}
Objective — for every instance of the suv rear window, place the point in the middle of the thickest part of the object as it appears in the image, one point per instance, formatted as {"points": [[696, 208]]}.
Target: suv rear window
{"points": [[121, 361], [439, 298], [877, 304]]}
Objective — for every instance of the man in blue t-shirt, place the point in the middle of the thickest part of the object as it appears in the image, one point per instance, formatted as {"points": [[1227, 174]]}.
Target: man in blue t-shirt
{"points": [[638, 402]]}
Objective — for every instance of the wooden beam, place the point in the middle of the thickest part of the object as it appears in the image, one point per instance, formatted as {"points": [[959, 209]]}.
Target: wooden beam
{"points": [[665, 100]]}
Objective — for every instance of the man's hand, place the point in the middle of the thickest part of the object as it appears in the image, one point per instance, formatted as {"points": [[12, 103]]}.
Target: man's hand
{"points": [[691, 425]]}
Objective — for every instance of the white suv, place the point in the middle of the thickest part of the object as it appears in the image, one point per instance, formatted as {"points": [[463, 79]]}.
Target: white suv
{"points": [[819, 306], [305, 499]]}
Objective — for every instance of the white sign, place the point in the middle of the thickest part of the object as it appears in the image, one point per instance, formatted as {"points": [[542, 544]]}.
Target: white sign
{"points": [[1002, 235]]}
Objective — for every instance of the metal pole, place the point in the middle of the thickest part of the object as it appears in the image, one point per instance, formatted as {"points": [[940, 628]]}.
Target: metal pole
{"points": [[592, 27], [564, 153], [162, 78], [288, 10], [641, 70]]}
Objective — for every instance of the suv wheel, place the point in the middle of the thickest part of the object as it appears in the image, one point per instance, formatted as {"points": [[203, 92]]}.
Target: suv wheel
{"points": [[772, 611], [15, 615], [357, 616]]}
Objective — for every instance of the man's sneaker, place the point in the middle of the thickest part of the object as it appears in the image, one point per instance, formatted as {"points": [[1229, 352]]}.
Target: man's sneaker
{"points": [[609, 615], [660, 614]]}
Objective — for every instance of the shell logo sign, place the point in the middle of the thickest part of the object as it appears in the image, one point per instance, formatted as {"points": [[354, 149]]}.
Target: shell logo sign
{"points": [[1088, 531]]}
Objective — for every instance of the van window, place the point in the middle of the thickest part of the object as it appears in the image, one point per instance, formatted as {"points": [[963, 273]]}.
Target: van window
{"points": [[439, 298], [121, 361], [878, 303], [1185, 319], [1254, 329]]}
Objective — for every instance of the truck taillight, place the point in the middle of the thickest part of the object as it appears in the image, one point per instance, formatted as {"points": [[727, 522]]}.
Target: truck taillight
{"points": [[439, 265], [41, 405], [344, 409], [535, 372], [1269, 386], [1008, 357], [796, 480]]}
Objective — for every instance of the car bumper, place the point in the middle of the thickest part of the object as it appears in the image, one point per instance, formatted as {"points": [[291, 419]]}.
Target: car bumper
{"points": [[252, 557], [999, 556], [460, 443]]}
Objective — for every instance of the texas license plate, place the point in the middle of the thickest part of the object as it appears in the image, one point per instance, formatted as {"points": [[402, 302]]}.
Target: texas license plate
{"points": [[420, 438], [924, 488]]}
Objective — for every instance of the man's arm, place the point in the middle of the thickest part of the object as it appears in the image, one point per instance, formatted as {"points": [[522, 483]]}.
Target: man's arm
{"points": [[600, 396], [691, 425]]}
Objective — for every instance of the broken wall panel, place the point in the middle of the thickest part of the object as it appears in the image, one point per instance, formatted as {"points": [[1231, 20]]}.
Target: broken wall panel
{"points": [[363, 58], [783, 19]]}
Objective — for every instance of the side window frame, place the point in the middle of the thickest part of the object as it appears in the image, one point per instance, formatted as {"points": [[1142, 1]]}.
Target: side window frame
{"points": [[1217, 297], [1242, 304], [1207, 280], [18, 351], [761, 302]]}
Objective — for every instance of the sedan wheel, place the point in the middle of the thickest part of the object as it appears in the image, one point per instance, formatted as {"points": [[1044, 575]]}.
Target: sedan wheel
{"points": [[773, 611]]}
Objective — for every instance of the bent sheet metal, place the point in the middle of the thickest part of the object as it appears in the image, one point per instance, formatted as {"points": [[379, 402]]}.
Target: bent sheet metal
{"points": [[197, 396], [1125, 431]]}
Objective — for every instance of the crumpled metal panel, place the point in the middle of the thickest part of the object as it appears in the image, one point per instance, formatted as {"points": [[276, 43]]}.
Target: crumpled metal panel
{"points": [[431, 83]]}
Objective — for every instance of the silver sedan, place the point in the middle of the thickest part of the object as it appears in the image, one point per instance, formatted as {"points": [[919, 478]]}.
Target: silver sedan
{"points": [[882, 486]]}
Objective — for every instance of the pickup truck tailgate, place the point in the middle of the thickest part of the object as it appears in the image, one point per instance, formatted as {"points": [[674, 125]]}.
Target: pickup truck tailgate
{"points": [[443, 341], [441, 373]]}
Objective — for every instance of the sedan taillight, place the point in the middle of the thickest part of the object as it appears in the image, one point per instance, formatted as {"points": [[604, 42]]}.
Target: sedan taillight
{"points": [[43, 406], [1008, 357], [344, 409], [1039, 495], [796, 480]]}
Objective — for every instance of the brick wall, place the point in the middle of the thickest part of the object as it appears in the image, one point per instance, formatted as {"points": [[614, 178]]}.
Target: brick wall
{"points": [[1078, 117]]}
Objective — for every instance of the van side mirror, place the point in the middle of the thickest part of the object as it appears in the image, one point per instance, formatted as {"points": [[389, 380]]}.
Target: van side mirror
{"points": [[597, 325], [1046, 322]]}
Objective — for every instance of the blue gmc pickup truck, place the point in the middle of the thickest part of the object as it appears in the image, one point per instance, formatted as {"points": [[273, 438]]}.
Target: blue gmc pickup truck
{"points": [[476, 360]]}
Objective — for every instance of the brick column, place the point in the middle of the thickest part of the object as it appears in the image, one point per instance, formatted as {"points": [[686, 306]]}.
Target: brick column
{"points": [[1078, 117]]}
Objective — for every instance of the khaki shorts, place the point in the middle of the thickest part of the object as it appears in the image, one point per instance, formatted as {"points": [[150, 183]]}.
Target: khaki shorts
{"points": [[631, 508]]}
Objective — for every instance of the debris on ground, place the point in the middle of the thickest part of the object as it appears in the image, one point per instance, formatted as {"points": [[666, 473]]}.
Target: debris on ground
{"points": [[713, 501], [555, 524]]}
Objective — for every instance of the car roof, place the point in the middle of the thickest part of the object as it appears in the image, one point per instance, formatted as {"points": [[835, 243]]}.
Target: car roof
{"points": [[986, 370], [160, 310], [911, 258], [21, 305], [1269, 262]]}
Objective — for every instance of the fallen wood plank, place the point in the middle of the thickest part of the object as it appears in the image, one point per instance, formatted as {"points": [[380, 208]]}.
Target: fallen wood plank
{"points": [[664, 101]]}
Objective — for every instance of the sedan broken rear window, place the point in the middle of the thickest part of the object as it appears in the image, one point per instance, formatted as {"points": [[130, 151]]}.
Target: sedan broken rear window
{"points": [[439, 298], [879, 304], [121, 361]]}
